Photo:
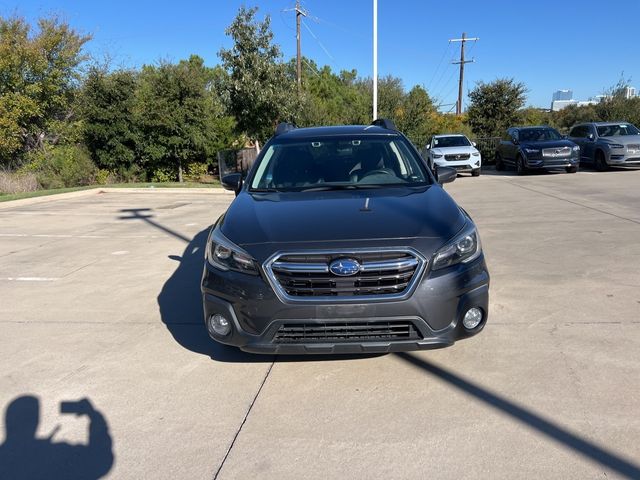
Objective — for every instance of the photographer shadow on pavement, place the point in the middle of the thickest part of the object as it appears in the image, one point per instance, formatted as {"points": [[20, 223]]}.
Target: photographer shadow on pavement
{"points": [[25, 456]]}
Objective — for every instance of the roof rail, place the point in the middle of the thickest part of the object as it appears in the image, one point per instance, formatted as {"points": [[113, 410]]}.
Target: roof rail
{"points": [[284, 127], [384, 123]]}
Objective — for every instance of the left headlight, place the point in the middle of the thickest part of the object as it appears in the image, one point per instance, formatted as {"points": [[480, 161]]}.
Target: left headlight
{"points": [[462, 249], [576, 148], [532, 151], [225, 255]]}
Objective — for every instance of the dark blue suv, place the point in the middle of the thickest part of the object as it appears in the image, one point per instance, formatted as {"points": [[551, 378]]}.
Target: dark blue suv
{"points": [[537, 148]]}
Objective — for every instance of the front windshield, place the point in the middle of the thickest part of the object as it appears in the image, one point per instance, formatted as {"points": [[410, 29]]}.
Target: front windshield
{"points": [[453, 141], [539, 135], [327, 163], [617, 130]]}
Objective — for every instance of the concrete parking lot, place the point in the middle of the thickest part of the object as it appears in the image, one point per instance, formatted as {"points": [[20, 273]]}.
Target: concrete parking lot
{"points": [[99, 298]]}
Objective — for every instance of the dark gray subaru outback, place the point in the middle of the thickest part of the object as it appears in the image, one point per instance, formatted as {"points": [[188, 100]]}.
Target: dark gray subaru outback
{"points": [[341, 240]]}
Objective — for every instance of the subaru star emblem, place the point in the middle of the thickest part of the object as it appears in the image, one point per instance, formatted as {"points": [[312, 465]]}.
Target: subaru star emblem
{"points": [[344, 267]]}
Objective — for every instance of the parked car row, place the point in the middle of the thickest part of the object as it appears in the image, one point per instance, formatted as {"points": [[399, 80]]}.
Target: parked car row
{"points": [[601, 144]]}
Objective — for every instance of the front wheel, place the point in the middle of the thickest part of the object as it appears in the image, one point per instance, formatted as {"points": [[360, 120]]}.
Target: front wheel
{"points": [[601, 163], [572, 169], [520, 168], [475, 173]]}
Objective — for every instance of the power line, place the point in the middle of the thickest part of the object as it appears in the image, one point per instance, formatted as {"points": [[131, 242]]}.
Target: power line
{"points": [[444, 53], [318, 40]]}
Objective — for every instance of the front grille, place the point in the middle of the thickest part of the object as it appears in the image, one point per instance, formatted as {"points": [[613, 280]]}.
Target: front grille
{"points": [[633, 146], [556, 152], [381, 273], [346, 332], [453, 157]]}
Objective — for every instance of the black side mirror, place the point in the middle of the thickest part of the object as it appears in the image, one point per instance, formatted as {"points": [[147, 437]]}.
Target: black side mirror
{"points": [[591, 136], [514, 140], [446, 175], [233, 181]]}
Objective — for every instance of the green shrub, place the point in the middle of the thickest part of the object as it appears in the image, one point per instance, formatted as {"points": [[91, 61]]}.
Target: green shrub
{"points": [[163, 174], [103, 177], [196, 172], [62, 166]]}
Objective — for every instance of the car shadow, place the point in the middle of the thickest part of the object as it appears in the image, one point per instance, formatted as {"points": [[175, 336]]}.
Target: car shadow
{"points": [[521, 414], [23, 455], [180, 302]]}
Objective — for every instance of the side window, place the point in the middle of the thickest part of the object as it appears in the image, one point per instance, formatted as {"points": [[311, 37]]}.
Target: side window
{"points": [[515, 134], [578, 132]]}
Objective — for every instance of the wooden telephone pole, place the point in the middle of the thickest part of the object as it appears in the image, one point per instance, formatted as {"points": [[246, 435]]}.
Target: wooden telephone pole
{"points": [[299, 14], [462, 62]]}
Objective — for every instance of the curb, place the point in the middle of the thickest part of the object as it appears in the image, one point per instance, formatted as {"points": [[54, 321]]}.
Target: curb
{"points": [[99, 190]]}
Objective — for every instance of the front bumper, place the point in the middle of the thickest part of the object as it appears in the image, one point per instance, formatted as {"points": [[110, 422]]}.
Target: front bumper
{"points": [[552, 163], [622, 159], [462, 166], [435, 309]]}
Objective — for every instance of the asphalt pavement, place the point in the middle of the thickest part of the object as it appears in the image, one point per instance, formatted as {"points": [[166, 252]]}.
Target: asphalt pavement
{"points": [[99, 300]]}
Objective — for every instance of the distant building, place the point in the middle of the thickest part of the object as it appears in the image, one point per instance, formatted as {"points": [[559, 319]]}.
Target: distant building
{"points": [[558, 105], [562, 95], [629, 92]]}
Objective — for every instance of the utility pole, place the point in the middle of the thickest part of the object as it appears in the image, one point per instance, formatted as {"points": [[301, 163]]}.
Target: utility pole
{"points": [[299, 14], [375, 59], [462, 62]]}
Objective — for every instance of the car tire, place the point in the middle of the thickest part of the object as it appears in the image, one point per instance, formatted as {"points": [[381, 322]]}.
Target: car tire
{"points": [[571, 169], [475, 173], [499, 163], [520, 168], [601, 163]]}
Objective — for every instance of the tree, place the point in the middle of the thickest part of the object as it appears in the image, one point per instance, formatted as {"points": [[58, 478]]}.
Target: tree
{"points": [[494, 106], [260, 92], [415, 117], [38, 81], [178, 115], [109, 105]]}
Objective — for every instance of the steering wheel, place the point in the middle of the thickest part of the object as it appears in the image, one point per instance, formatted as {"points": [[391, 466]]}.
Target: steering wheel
{"points": [[380, 171]]}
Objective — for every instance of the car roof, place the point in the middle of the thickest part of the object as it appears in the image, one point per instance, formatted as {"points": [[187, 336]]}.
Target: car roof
{"points": [[449, 135], [336, 130], [604, 124], [532, 126]]}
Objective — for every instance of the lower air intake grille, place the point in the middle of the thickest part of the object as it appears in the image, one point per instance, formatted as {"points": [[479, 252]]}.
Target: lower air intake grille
{"points": [[346, 332]]}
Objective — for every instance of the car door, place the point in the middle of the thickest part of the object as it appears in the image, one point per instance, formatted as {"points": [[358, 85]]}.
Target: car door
{"points": [[504, 147], [512, 146], [578, 135], [589, 150]]}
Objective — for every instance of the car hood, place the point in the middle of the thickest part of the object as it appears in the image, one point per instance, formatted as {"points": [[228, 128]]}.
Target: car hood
{"points": [[332, 217], [454, 150], [622, 140], [548, 144]]}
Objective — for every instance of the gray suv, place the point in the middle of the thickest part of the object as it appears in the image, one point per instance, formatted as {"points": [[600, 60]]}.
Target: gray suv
{"points": [[342, 240], [607, 144]]}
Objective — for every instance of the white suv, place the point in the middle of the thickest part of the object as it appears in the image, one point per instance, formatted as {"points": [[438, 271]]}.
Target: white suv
{"points": [[454, 151]]}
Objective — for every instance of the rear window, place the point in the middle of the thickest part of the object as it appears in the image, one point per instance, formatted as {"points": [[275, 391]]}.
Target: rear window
{"points": [[338, 162]]}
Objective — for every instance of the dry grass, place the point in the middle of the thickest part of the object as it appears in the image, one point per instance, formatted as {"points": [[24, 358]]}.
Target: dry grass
{"points": [[12, 182]]}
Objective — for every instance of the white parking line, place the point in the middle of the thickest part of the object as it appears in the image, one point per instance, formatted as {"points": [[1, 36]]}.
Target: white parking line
{"points": [[53, 235], [30, 279]]}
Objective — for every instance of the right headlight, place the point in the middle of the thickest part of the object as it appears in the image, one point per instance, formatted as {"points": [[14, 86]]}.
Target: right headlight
{"points": [[462, 249], [225, 255], [437, 155]]}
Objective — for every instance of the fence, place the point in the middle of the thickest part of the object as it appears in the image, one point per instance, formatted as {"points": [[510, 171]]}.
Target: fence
{"points": [[487, 147]]}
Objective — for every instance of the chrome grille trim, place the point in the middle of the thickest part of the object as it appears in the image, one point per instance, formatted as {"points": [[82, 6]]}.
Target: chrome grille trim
{"points": [[412, 266], [559, 152]]}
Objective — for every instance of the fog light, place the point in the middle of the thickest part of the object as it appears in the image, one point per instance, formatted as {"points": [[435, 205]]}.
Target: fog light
{"points": [[219, 325], [472, 318]]}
